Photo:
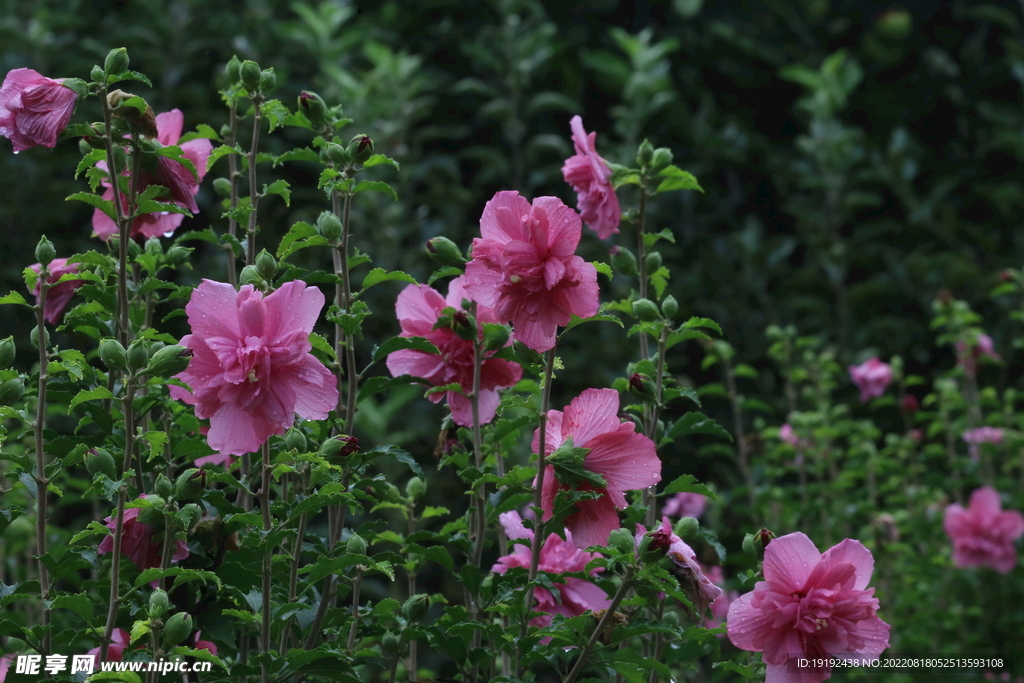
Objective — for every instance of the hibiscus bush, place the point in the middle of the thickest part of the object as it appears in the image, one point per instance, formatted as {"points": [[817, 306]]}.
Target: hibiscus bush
{"points": [[216, 450]]}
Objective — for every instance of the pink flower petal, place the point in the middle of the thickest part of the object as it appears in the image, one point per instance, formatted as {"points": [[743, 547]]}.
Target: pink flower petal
{"points": [[789, 561], [856, 554]]}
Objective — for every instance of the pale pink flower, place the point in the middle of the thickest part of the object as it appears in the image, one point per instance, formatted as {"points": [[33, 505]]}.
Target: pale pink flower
{"points": [[626, 460], [418, 308], [968, 358], [590, 176], [576, 596], [5, 664], [137, 541], [871, 377], [720, 606], [980, 435], [119, 642], [787, 434], [252, 370], [685, 505], [170, 174], [524, 267], [810, 605], [687, 570], [221, 459], [34, 109], [983, 534], [57, 296]]}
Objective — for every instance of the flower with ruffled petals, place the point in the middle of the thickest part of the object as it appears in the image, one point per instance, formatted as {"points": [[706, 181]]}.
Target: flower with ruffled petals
{"points": [[871, 377], [968, 358], [685, 504], [980, 435], [57, 295], [178, 180], [119, 642], [626, 460], [137, 541], [418, 309], [811, 605], [576, 596], [698, 587], [983, 534], [34, 109], [590, 176], [252, 370], [525, 267]]}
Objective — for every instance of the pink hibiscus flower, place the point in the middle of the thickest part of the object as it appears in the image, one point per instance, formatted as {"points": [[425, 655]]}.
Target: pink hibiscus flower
{"points": [[252, 370], [983, 534], [980, 435], [137, 541], [968, 358], [698, 587], [57, 296], [418, 308], [119, 642], [576, 596], [205, 644], [525, 267], [590, 176], [871, 377], [170, 174], [34, 110], [685, 505], [810, 605], [626, 460]]}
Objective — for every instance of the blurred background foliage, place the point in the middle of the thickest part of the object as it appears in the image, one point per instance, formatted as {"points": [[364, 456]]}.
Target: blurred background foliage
{"points": [[857, 157]]}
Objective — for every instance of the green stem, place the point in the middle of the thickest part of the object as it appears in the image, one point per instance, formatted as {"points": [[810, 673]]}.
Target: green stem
{"points": [[620, 594], [357, 583], [254, 197], [41, 480], [267, 552], [641, 255], [233, 179]]}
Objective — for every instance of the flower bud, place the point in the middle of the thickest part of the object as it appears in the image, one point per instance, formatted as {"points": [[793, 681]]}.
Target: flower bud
{"points": [[658, 543], [170, 360], [337, 154], [670, 307], [7, 350], [163, 486], [687, 527], [653, 262], [99, 460], [313, 106], [116, 61], [755, 543], [339, 447], [356, 545], [295, 440], [623, 261], [120, 157], [153, 247], [329, 226], [250, 74], [266, 265], [158, 604], [138, 354], [97, 75], [267, 80], [415, 488], [113, 355], [190, 484], [222, 186], [192, 513], [464, 326], [645, 153], [11, 391], [645, 309], [661, 158], [251, 276], [177, 255], [643, 386], [233, 70], [622, 541], [445, 252], [177, 629], [910, 404], [415, 608], [360, 148], [33, 337], [495, 337], [391, 645], [45, 253]]}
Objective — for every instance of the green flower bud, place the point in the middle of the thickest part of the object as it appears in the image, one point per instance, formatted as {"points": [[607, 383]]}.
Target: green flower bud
{"points": [[233, 70], [445, 252], [225, 131], [177, 629], [356, 545], [645, 153], [190, 484], [329, 226], [313, 106], [295, 440], [391, 493], [653, 261], [138, 354], [158, 604], [84, 147], [755, 543], [45, 253], [251, 276], [464, 326], [97, 75], [338, 155], [113, 355], [670, 306], [153, 247], [222, 186], [11, 391], [251, 75], [415, 608], [116, 61], [360, 148], [192, 513], [671, 617], [662, 157], [687, 527], [99, 460], [170, 360], [120, 157], [163, 486], [622, 541], [495, 337], [33, 337], [623, 261], [134, 250], [267, 80], [339, 448], [391, 645], [177, 255], [266, 265], [415, 488], [643, 386], [645, 309], [7, 350]]}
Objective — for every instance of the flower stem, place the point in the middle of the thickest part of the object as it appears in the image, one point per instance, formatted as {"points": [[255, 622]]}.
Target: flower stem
{"points": [[254, 196], [41, 480], [653, 413], [641, 256], [357, 583], [267, 552], [627, 582], [480, 525], [233, 179], [742, 448]]}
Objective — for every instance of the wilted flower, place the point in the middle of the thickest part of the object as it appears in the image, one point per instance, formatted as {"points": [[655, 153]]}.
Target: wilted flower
{"points": [[983, 534], [871, 377], [590, 176], [137, 541], [685, 505], [810, 605], [968, 356], [34, 110], [698, 587], [57, 296], [252, 370], [524, 267], [576, 596], [418, 309]]}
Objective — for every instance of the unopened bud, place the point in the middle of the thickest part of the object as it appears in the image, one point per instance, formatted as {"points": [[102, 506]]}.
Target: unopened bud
{"points": [[329, 226], [623, 261], [99, 460], [233, 70], [337, 154], [266, 265], [33, 337], [45, 253], [670, 307], [113, 355], [120, 157], [97, 74], [11, 391], [445, 252], [84, 147], [313, 106], [7, 350], [116, 61], [267, 80], [179, 627], [177, 255], [222, 186], [134, 250], [360, 148], [687, 527], [755, 543], [464, 326], [391, 645], [645, 309], [163, 486], [415, 608], [661, 158], [153, 247], [653, 262], [356, 545], [295, 440], [190, 484], [642, 385], [645, 153], [622, 541], [339, 447], [910, 404], [250, 74], [415, 488], [251, 276], [138, 354]]}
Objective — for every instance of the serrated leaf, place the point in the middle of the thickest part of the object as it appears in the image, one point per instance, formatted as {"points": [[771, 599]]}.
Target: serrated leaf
{"points": [[97, 394], [651, 238], [378, 159], [687, 483], [399, 455], [378, 275], [129, 76], [219, 152], [695, 423], [603, 317], [659, 280], [376, 186], [13, 298], [602, 268], [95, 201], [401, 343], [89, 160], [702, 322], [673, 393], [677, 179], [279, 187], [298, 154]]}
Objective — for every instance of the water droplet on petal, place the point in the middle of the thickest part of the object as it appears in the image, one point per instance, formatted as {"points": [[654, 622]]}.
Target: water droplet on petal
{"points": [[16, 152]]}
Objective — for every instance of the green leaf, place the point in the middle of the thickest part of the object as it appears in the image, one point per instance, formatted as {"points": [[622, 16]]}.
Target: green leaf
{"points": [[399, 455], [202, 132], [279, 187], [605, 317], [687, 483], [321, 344], [89, 160], [180, 574], [128, 76], [96, 201], [376, 186], [274, 112], [298, 154], [80, 603], [677, 179], [221, 151], [694, 423], [97, 394], [400, 343], [378, 275], [673, 393], [702, 322], [378, 159], [602, 268], [659, 279], [13, 298], [651, 238]]}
